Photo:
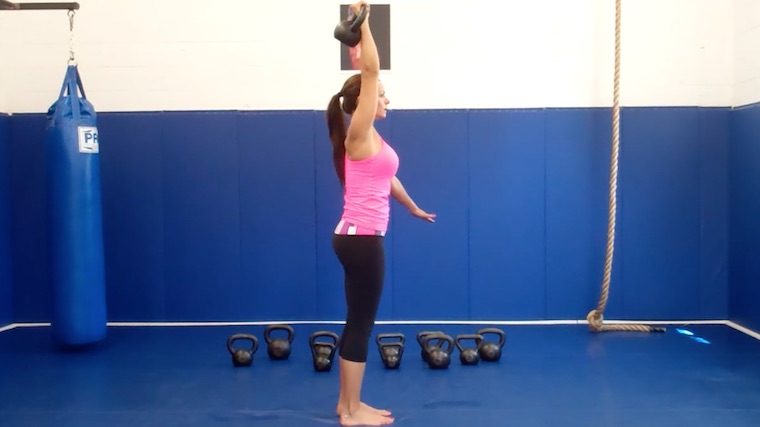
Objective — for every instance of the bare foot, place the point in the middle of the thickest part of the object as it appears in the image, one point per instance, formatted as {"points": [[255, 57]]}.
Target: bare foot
{"points": [[365, 417], [366, 407]]}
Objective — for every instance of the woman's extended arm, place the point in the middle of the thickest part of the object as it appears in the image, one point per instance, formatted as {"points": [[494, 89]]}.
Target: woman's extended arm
{"points": [[363, 118], [399, 193]]}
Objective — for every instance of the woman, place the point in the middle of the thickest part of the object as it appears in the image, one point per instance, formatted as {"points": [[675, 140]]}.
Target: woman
{"points": [[366, 167]]}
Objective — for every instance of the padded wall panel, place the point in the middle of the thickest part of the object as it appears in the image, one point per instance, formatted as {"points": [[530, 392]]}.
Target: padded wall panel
{"points": [[577, 193], [201, 205], [659, 183], [714, 137], [507, 259], [744, 252], [277, 221], [6, 287], [430, 260], [31, 300], [133, 215], [328, 207], [195, 204]]}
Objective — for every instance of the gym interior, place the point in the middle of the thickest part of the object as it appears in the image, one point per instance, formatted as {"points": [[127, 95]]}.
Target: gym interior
{"points": [[593, 165]]}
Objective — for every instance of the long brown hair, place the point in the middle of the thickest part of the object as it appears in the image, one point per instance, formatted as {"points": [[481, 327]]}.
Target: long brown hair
{"points": [[336, 124]]}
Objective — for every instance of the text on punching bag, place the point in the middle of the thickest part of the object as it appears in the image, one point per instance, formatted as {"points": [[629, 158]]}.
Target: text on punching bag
{"points": [[88, 139]]}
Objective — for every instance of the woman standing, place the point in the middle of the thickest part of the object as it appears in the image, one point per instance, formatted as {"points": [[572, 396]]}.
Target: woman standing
{"points": [[366, 166]]}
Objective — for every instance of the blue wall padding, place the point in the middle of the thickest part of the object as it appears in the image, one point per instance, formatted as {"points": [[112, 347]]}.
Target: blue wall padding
{"points": [[6, 288], [744, 221], [507, 203], [133, 215], [662, 213], [31, 293], [329, 300], [714, 137], [430, 261], [202, 173], [229, 215], [578, 147], [277, 221]]}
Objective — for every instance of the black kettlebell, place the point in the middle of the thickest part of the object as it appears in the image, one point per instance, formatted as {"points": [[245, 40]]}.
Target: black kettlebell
{"points": [[323, 352], [438, 357], [242, 356], [491, 351], [420, 336], [469, 356], [348, 31], [279, 348], [391, 352]]}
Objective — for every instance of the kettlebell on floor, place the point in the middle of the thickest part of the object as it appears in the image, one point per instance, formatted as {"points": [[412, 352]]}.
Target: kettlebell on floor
{"points": [[279, 348], [438, 356], [469, 356], [491, 351], [420, 337], [391, 352], [242, 357], [323, 352]]}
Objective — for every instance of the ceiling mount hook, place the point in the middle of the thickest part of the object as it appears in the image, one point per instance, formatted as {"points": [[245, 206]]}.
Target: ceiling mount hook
{"points": [[9, 5]]}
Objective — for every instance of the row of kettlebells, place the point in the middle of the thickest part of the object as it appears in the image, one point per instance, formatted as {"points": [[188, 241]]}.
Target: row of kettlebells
{"points": [[436, 347], [322, 351]]}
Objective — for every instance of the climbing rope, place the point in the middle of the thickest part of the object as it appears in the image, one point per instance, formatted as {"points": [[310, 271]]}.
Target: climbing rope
{"points": [[595, 317]]}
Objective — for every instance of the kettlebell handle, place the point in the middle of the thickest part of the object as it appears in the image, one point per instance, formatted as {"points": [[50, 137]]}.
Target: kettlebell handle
{"points": [[475, 337], [358, 19], [270, 328], [502, 336], [399, 337], [248, 337], [314, 344], [422, 334], [442, 338], [329, 334]]}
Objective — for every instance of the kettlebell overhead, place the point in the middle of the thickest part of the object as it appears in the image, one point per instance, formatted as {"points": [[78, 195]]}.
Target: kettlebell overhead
{"points": [[348, 31]]}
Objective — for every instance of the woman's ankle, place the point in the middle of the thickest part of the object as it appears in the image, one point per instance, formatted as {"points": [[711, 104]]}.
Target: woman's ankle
{"points": [[348, 406]]}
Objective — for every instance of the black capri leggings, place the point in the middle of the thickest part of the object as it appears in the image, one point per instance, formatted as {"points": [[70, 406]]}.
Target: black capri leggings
{"points": [[363, 260]]}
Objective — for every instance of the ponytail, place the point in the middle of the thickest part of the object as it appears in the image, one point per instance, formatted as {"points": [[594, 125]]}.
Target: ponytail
{"points": [[337, 129]]}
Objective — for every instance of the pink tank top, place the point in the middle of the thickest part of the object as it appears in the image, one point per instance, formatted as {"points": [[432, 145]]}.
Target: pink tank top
{"points": [[368, 186]]}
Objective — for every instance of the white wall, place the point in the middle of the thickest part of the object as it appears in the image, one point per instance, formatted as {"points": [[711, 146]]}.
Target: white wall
{"points": [[5, 103], [240, 54], [747, 39], [5, 66]]}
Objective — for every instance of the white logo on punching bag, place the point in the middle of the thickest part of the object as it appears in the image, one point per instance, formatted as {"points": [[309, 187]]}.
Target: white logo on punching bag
{"points": [[88, 139]]}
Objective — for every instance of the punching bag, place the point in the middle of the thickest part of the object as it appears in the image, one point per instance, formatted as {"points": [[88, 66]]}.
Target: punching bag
{"points": [[74, 218]]}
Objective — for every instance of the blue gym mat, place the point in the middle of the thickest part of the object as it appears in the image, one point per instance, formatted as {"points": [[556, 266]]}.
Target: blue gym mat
{"points": [[559, 376]]}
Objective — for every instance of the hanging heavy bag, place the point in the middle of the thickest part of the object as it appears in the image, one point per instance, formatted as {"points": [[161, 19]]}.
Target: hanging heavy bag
{"points": [[74, 218]]}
